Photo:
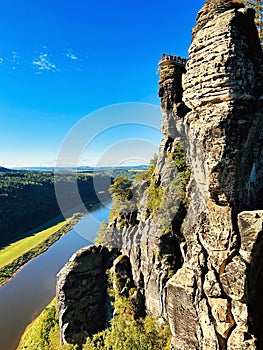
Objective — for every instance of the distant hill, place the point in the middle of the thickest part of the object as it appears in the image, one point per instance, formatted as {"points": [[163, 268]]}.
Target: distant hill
{"points": [[4, 170], [86, 168]]}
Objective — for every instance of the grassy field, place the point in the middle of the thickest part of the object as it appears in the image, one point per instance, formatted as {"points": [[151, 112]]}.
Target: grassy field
{"points": [[17, 254], [14, 250]]}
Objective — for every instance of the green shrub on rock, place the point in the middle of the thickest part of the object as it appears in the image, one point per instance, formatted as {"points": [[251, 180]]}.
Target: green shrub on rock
{"points": [[121, 189], [131, 334], [128, 332]]}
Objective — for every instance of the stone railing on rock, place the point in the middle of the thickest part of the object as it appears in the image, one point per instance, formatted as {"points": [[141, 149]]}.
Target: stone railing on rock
{"points": [[168, 59]]}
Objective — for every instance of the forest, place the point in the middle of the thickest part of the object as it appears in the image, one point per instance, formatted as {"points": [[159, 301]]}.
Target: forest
{"points": [[28, 199]]}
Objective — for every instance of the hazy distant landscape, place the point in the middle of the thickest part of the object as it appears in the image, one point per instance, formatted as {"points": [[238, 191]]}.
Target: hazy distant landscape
{"points": [[28, 197]]}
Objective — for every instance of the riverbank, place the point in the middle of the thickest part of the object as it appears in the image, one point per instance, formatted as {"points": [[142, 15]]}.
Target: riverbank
{"points": [[32, 288], [16, 255], [82, 208], [46, 323]]}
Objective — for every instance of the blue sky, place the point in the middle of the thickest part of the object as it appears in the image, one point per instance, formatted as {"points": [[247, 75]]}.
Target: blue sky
{"points": [[62, 60]]}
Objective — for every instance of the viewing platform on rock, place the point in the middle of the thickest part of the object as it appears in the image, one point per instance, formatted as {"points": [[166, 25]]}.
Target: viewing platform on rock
{"points": [[167, 60]]}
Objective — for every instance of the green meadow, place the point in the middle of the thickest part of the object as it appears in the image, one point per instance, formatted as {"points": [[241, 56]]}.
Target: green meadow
{"points": [[15, 255], [16, 249]]}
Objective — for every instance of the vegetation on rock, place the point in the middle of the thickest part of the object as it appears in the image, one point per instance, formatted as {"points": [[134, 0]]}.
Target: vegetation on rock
{"points": [[121, 189], [147, 174], [155, 197], [129, 334], [102, 234], [124, 201], [126, 330], [178, 155], [170, 199]]}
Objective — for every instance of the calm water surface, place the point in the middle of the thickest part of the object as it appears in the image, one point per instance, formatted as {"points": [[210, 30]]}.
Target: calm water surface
{"points": [[33, 287]]}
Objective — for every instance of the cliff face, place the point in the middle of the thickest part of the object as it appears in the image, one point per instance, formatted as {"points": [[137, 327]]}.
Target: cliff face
{"points": [[212, 292], [193, 237], [82, 294]]}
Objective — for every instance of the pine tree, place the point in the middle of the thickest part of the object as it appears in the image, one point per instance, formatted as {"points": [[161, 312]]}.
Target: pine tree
{"points": [[257, 5]]}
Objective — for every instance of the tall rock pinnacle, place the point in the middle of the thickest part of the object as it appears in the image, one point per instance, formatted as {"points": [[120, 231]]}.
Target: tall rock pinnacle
{"points": [[214, 291], [193, 240]]}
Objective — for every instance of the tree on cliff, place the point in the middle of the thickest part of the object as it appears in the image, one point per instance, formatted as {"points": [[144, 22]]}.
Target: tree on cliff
{"points": [[121, 189], [257, 5]]}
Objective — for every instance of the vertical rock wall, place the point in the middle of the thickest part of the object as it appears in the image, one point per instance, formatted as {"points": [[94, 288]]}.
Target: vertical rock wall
{"points": [[195, 258], [223, 88], [153, 245]]}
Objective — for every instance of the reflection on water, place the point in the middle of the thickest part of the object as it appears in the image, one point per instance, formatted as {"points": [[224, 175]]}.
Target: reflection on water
{"points": [[33, 287]]}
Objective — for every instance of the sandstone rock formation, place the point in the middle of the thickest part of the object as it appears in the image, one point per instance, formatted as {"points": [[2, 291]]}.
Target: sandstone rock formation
{"points": [[193, 240], [223, 87], [81, 294]]}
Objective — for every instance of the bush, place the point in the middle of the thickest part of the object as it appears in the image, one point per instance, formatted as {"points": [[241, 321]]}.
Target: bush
{"points": [[126, 331], [143, 334], [178, 158], [129, 333], [121, 189], [102, 233], [155, 197], [147, 175], [123, 201]]}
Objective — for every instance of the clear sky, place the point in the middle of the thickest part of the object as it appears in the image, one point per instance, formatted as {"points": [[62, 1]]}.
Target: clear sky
{"points": [[62, 60]]}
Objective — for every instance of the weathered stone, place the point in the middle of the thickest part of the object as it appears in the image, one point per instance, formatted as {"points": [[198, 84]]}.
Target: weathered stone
{"points": [[209, 337], [121, 270], [211, 286], [240, 337], [222, 86], [211, 9], [250, 227], [238, 341], [214, 127], [234, 278], [182, 314], [251, 232], [221, 311], [170, 90], [81, 294]]}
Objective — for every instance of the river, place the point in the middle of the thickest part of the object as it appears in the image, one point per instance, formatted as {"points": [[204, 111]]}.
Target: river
{"points": [[24, 297]]}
